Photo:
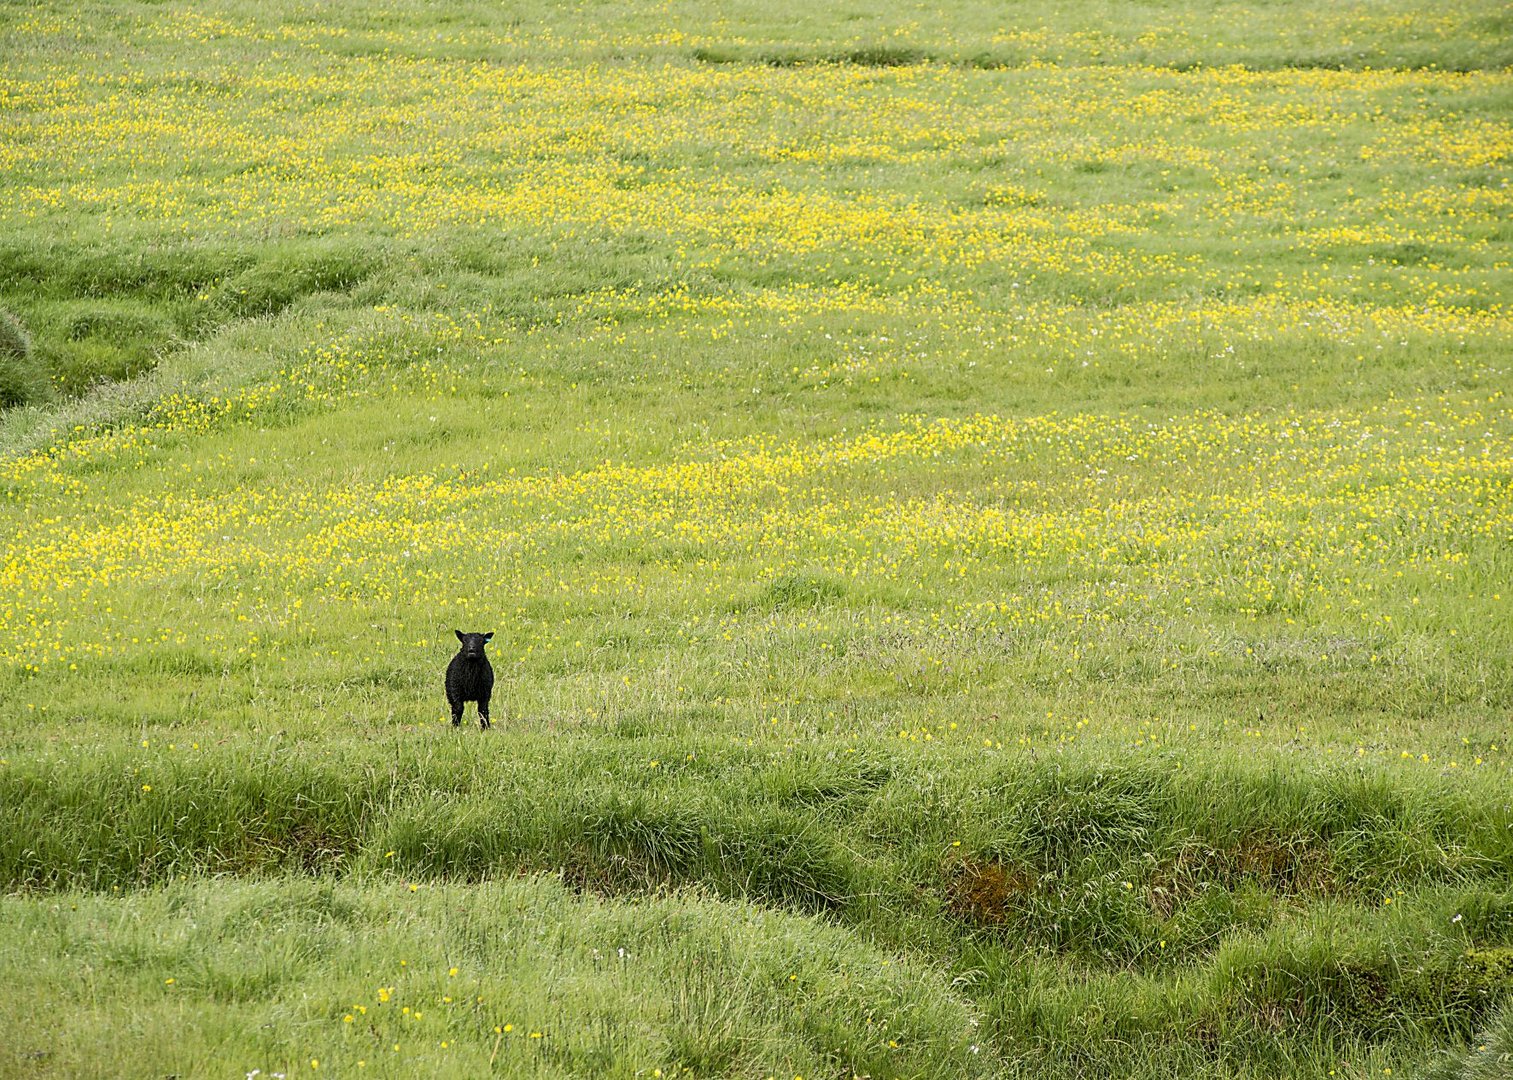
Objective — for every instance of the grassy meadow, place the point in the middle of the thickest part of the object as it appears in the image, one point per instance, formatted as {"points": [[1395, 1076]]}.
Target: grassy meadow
{"points": [[997, 522]]}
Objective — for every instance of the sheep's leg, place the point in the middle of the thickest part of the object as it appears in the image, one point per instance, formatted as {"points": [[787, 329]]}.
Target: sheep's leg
{"points": [[456, 715], [483, 713]]}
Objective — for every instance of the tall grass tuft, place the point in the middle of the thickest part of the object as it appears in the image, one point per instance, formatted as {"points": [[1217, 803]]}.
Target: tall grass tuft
{"points": [[20, 382]]}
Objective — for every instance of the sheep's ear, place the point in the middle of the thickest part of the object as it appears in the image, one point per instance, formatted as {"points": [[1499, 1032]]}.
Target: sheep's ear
{"points": [[489, 636], [460, 637]]}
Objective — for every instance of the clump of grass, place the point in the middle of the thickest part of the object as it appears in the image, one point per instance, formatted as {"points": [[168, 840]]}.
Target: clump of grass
{"points": [[15, 342], [100, 341], [884, 56], [1488, 1056], [20, 382], [284, 274], [799, 590]]}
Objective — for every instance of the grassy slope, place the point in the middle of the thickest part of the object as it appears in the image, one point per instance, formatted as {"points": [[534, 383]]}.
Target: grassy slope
{"points": [[1029, 500]]}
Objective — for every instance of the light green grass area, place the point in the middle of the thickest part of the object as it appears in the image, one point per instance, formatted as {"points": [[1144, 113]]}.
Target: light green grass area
{"points": [[997, 523]]}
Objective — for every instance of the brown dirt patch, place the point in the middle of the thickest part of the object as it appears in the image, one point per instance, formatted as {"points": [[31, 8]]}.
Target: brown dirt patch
{"points": [[986, 892]]}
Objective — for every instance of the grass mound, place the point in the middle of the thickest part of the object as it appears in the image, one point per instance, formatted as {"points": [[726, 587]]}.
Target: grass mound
{"points": [[103, 315], [516, 977], [1136, 865], [1093, 915]]}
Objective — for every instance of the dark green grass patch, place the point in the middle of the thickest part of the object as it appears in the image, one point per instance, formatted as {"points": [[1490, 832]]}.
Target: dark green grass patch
{"points": [[106, 314], [1082, 856], [21, 379]]}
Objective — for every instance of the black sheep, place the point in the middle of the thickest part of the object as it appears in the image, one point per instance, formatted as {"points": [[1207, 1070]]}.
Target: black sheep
{"points": [[470, 678]]}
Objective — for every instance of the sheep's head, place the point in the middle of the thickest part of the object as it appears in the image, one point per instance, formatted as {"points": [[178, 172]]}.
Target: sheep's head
{"points": [[472, 644]]}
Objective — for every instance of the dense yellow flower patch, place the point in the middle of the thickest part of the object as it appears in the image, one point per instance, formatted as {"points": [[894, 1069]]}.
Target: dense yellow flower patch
{"points": [[413, 145], [1248, 516]]}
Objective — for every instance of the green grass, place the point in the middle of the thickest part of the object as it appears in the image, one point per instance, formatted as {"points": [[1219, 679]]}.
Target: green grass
{"points": [[995, 523], [520, 977]]}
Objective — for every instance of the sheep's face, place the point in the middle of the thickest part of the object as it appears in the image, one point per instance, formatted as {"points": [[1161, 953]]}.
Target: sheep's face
{"points": [[472, 644]]}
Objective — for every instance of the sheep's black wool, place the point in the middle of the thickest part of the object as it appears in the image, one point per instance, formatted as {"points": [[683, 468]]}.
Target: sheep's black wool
{"points": [[470, 678]]}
